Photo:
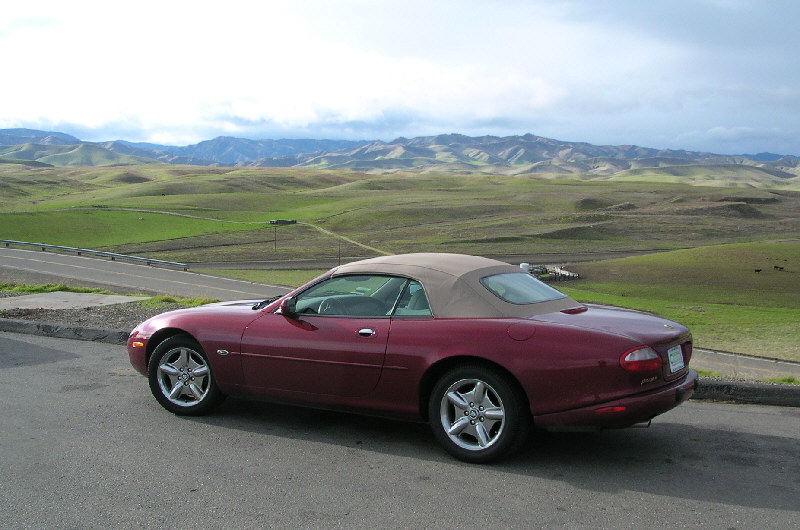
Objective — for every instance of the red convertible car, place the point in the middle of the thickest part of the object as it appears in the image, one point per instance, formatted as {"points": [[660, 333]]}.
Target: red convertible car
{"points": [[478, 348]]}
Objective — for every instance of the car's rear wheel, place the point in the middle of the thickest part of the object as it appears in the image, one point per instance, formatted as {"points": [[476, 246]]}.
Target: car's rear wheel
{"points": [[180, 377], [478, 414]]}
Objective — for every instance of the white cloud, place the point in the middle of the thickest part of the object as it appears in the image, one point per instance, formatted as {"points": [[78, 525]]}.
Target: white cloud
{"points": [[607, 72]]}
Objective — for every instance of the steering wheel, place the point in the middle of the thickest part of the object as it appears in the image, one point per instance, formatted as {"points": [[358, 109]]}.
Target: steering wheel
{"points": [[331, 306]]}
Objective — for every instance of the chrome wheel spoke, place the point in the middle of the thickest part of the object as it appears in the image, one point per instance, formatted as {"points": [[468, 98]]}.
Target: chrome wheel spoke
{"points": [[482, 435], [200, 371], [196, 392], [458, 426], [176, 390], [183, 359], [457, 400], [169, 369], [479, 392], [494, 413]]}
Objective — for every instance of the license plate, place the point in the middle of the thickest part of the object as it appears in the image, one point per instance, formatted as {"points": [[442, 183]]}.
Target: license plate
{"points": [[675, 356]]}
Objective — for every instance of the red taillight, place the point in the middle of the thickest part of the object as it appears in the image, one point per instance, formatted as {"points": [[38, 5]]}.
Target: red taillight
{"points": [[610, 410], [641, 359]]}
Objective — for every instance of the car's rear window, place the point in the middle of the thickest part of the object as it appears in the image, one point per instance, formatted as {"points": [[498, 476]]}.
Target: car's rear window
{"points": [[520, 288]]}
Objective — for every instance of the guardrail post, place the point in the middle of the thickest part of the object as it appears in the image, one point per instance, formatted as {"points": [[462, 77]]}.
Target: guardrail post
{"points": [[81, 251]]}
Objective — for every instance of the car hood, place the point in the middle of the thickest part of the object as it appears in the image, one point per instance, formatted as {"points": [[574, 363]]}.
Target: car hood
{"points": [[216, 308], [639, 326], [239, 310], [232, 304]]}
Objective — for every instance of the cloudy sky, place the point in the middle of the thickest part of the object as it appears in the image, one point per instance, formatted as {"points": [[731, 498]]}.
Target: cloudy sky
{"points": [[709, 75]]}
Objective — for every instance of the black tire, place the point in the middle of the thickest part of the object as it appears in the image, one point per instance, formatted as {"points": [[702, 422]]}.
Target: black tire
{"points": [[180, 377], [478, 413]]}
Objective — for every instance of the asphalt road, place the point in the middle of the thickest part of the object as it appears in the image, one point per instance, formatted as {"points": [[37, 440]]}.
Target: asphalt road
{"points": [[33, 266], [83, 444]]}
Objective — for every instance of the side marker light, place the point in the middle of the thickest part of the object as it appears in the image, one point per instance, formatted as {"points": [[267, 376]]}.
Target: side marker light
{"points": [[607, 410]]}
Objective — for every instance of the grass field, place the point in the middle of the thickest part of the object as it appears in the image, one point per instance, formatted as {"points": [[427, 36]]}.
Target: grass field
{"points": [[723, 274], [713, 290], [478, 214], [99, 228], [714, 228]]}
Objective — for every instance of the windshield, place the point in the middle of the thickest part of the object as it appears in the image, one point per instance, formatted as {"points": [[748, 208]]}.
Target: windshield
{"points": [[520, 288]]}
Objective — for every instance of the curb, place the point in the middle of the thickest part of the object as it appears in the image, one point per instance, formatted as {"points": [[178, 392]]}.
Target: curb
{"points": [[29, 327], [708, 389], [747, 392]]}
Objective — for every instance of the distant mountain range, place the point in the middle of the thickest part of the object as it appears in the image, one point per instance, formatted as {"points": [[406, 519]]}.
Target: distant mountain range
{"points": [[53, 147], [452, 153]]}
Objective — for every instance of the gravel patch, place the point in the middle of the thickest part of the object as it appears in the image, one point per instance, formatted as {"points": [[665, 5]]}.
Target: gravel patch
{"points": [[113, 317], [9, 294]]}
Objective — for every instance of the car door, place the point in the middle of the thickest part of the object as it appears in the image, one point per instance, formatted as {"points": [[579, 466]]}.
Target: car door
{"points": [[333, 343]]}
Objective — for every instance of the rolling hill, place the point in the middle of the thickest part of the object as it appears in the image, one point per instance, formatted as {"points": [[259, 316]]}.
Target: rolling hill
{"points": [[531, 154], [448, 153]]}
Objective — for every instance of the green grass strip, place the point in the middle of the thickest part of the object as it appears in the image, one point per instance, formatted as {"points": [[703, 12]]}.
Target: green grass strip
{"points": [[788, 380], [160, 300], [153, 301], [48, 288]]}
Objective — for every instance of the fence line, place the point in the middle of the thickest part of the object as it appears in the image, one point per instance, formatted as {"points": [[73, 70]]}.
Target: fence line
{"points": [[80, 251]]}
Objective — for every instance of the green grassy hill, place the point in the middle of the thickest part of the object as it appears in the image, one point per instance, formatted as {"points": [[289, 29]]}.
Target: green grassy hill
{"points": [[91, 155], [727, 273], [69, 155], [732, 175], [479, 214], [714, 290]]}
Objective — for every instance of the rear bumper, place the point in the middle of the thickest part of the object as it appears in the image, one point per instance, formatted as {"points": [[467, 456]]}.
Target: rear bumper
{"points": [[623, 412]]}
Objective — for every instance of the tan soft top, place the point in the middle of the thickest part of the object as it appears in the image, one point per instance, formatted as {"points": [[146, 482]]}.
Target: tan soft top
{"points": [[452, 284]]}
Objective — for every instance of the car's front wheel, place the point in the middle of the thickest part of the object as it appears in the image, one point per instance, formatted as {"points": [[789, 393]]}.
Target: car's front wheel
{"points": [[478, 414], [181, 378]]}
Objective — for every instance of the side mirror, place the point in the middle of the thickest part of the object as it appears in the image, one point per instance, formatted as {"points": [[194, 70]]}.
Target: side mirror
{"points": [[289, 307]]}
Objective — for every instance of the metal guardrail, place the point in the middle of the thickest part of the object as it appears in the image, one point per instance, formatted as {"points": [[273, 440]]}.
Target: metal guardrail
{"points": [[80, 251]]}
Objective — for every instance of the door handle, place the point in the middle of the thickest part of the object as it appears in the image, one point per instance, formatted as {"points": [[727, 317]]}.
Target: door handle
{"points": [[366, 332]]}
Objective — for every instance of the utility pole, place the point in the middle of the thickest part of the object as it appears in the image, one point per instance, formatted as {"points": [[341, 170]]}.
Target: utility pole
{"points": [[278, 222]]}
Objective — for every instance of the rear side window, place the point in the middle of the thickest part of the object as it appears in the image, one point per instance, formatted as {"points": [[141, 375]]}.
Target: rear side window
{"points": [[520, 288], [412, 302]]}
